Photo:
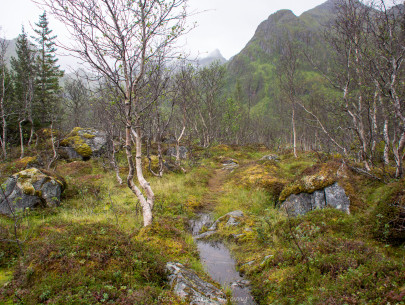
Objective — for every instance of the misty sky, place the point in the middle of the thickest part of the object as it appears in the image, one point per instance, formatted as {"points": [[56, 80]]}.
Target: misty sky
{"points": [[226, 25]]}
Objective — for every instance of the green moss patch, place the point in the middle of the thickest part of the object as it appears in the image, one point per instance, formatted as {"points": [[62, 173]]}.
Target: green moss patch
{"points": [[71, 263], [77, 141], [311, 179]]}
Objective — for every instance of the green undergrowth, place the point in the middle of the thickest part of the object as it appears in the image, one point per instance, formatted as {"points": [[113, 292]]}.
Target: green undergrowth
{"points": [[325, 256], [92, 249]]}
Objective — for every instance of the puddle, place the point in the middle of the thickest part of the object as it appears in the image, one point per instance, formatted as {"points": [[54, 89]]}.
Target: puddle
{"points": [[220, 265]]}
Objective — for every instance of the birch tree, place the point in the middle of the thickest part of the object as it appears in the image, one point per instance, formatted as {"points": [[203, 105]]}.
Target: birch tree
{"points": [[117, 39]]}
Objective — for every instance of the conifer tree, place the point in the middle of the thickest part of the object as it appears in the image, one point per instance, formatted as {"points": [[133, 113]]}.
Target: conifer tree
{"points": [[48, 72], [24, 80]]}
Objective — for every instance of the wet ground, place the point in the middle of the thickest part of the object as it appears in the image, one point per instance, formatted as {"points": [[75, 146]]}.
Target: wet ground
{"points": [[220, 265]]}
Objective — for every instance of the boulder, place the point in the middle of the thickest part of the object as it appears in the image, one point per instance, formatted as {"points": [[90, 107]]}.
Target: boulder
{"points": [[84, 143], [333, 196], [31, 188], [271, 158], [230, 164], [190, 287], [171, 152], [232, 216]]}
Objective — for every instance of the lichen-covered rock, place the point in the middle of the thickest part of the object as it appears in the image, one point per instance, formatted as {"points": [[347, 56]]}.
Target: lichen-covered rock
{"points": [[29, 189], [230, 164], [84, 143], [190, 287], [171, 152], [271, 158], [234, 215], [314, 178], [333, 196]]}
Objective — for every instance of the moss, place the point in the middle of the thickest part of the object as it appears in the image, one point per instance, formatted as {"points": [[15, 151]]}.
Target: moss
{"points": [[388, 216], [24, 162], [74, 263], [76, 139], [27, 178], [5, 276], [88, 136], [312, 179]]}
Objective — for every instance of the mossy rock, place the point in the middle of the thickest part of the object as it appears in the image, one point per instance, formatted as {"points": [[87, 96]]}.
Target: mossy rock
{"points": [[84, 143], [312, 179], [31, 188]]}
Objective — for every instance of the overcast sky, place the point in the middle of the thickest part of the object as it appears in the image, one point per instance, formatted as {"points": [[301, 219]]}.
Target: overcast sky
{"points": [[226, 25]]}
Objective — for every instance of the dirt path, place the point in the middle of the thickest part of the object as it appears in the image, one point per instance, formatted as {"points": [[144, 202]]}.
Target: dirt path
{"points": [[215, 189]]}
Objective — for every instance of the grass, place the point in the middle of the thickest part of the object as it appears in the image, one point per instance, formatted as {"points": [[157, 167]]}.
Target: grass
{"points": [[323, 257], [93, 249]]}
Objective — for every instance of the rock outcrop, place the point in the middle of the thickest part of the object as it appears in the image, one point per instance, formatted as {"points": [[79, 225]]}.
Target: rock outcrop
{"points": [[233, 219], [230, 164], [191, 288], [333, 196], [31, 188], [84, 143], [171, 152], [271, 158]]}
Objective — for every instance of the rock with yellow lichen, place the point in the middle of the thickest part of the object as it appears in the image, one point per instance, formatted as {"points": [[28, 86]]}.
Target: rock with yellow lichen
{"points": [[317, 189], [31, 188], [83, 143]]}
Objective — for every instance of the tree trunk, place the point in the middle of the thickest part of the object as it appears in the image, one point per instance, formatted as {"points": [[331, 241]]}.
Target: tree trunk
{"points": [[3, 116], [146, 203], [294, 133], [21, 138], [115, 165]]}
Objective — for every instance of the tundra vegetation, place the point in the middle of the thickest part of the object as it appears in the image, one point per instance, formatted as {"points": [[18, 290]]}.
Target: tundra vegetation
{"points": [[311, 101]]}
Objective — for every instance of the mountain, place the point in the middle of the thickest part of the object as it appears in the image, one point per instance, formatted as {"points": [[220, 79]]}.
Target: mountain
{"points": [[214, 56], [253, 69], [11, 49]]}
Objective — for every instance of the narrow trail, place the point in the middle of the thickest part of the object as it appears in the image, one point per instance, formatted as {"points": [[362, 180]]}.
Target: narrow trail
{"points": [[215, 189], [215, 256]]}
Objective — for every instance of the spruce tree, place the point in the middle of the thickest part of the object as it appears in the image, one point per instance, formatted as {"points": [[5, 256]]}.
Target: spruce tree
{"points": [[48, 72], [24, 83]]}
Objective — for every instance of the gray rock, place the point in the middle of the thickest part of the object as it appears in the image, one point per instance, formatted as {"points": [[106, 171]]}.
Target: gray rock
{"points": [[298, 204], [236, 213], [232, 222], [205, 235], [69, 153], [191, 288], [30, 188], [230, 165], [336, 197], [333, 196], [97, 143], [233, 214], [271, 158], [241, 283], [265, 259], [236, 236], [72, 146], [171, 152]]}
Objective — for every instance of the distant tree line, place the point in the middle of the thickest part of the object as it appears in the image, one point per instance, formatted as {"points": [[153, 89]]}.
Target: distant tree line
{"points": [[30, 90]]}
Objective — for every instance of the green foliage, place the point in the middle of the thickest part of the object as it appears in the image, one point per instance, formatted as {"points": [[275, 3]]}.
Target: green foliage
{"points": [[388, 216], [47, 71], [76, 263]]}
